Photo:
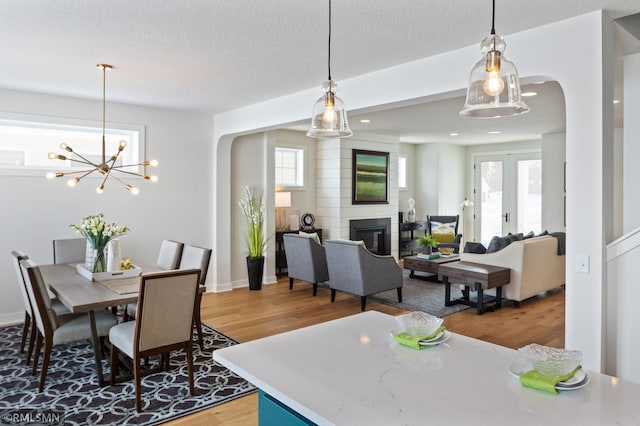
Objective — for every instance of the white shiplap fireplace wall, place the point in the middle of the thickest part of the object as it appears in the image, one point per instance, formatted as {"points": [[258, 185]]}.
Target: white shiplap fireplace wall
{"points": [[333, 188]]}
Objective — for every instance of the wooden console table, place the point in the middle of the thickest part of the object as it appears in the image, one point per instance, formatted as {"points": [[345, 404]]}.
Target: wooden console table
{"points": [[430, 266], [476, 277], [281, 257]]}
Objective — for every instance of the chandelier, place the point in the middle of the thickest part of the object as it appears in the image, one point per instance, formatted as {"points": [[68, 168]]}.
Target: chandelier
{"points": [[329, 117], [106, 167], [494, 86]]}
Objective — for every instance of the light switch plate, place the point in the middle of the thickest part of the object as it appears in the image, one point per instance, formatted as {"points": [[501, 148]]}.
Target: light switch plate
{"points": [[582, 263]]}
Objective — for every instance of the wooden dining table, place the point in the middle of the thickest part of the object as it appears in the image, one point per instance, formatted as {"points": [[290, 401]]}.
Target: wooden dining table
{"points": [[81, 295]]}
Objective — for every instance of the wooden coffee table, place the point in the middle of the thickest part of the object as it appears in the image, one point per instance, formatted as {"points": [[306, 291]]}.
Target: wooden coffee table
{"points": [[474, 276], [430, 266]]}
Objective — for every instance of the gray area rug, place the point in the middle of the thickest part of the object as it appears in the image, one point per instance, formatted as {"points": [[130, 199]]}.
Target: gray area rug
{"points": [[420, 295], [72, 396]]}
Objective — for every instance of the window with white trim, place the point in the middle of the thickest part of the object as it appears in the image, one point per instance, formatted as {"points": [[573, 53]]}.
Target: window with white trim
{"points": [[402, 172], [26, 141], [289, 165]]}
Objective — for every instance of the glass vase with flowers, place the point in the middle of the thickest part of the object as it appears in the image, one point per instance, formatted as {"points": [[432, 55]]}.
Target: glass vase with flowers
{"points": [[98, 234]]}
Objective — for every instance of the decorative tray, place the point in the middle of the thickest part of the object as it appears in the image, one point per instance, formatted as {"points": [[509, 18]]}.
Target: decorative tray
{"points": [[98, 276]]}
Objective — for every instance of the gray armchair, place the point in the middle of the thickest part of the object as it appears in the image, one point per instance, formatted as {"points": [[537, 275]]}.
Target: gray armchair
{"points": [[306, 260], [354, 269]]}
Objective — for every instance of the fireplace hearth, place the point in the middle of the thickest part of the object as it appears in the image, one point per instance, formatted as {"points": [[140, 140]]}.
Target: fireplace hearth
{"points": [[376, 234]]}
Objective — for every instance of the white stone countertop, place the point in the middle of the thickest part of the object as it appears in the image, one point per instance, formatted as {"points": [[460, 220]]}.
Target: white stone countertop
{"points": [[351, 372]]}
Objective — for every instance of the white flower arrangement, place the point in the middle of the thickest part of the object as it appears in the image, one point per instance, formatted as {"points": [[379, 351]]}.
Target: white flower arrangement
{"points": [[98, 233]]}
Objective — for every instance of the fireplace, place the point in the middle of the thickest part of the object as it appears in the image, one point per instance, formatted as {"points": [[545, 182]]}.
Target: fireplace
{"points": [[376, 234]]}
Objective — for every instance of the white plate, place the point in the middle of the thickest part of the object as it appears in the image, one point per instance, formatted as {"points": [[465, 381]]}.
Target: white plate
{"points": [[440, 338], [579, 380]]}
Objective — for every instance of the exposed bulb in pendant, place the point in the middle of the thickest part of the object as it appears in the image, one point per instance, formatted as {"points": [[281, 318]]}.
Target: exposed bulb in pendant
{"points": [[493, 85]]}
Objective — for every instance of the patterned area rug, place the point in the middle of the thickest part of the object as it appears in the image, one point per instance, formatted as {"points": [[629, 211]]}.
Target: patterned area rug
{"points": [[71, 388], [420, 295]]}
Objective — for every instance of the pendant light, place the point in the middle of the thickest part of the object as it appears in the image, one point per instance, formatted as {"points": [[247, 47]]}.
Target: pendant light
{"points": [[494, 86], [329, 117], [105, 167]]}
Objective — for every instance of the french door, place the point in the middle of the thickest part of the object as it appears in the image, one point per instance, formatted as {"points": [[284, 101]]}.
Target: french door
{"points": [[507, 195]]}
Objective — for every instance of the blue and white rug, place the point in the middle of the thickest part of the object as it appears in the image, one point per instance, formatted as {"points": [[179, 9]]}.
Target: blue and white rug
{"points": [[72, 396]]}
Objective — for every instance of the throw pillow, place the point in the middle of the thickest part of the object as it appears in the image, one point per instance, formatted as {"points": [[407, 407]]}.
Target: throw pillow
{"points": [[313, 235], [498, 243], [529, 235], [515, 237], [473, 247], [543, 233], [448, 237], [443, 227]]}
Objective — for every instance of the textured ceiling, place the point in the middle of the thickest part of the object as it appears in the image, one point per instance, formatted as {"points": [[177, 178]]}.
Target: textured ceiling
{"points": [[219, 55]]}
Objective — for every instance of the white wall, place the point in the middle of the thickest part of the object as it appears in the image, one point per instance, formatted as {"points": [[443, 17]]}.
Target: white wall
{"points": [[631, 197], [36, 210], [409, 151], [553, 157], [582, 57]]}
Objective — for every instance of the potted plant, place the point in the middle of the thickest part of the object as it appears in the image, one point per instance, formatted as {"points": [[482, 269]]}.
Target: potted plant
{"points": [[428, 242], [252, 206]]}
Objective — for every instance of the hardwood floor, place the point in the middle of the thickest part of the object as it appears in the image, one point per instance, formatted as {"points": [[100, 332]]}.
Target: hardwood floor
{"points": [[247, 315]]}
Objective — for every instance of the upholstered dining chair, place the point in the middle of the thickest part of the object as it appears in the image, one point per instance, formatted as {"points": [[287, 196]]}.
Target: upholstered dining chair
{"points": [[194, 257], [54, 329], [168, 259], [69, 250], [444, 229], [306, 260], [169, 255], [29, 327], [164, 323], [354, 269]]}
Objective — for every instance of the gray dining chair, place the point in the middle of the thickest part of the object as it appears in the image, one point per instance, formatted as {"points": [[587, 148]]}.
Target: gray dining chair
{"points": [[194, 257], [69, 250], [29, 328], [168, 259], [354, 269], [160, 327], [54, 329]]}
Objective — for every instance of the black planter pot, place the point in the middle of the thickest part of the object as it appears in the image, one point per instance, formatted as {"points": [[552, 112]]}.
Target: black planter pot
{"points": [[255, 268]]}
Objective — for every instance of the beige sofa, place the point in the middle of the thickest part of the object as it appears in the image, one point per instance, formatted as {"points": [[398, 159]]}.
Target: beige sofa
{"points": [[534, 263]]}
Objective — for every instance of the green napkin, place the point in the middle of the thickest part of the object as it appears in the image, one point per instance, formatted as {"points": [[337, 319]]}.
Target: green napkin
{"points": [[534, 379], [410, 340]]}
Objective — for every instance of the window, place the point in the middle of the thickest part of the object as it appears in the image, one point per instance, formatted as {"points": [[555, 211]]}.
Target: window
{"points": [[26, 141], [402, 172], [289, 164]]}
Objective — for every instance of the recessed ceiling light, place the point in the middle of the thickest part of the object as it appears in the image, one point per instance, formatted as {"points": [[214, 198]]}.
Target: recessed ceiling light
{"points": [[495, 132], [454, 134], [616, 101], [527, 94], [364, 120]]}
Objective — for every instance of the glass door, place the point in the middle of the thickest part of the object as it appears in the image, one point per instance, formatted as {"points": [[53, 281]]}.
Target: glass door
{"points": [[508, 195]]}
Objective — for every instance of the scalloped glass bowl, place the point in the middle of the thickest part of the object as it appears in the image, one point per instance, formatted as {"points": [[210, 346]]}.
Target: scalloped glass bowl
{"points": [[418, 323], [551, 361]]}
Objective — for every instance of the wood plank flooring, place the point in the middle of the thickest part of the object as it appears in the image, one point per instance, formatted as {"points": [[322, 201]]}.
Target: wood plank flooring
{"points": [[247, 315]]}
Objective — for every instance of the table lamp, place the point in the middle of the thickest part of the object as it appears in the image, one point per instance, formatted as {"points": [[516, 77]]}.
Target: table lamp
{"points": [[283, 200]]}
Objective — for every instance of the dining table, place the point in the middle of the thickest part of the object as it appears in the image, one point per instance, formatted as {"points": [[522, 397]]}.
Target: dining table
{"points": [[82, 295], [351, 371]]}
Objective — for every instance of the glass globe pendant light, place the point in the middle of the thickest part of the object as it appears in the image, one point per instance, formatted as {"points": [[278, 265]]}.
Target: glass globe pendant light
{"points": [[494, 86], [329, 117]]}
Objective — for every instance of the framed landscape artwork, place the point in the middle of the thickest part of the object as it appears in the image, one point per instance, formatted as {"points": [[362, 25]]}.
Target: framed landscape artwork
{"points": [[370, 177]]}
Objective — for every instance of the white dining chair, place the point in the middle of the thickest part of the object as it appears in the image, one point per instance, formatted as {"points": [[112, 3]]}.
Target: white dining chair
{"points": [[54, 329], [29, 328], [168, 259], [69, 250], [194, 257], [160, 327]]}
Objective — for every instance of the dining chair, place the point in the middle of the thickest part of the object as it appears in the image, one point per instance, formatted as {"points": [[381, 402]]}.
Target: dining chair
{"points": [[54, 329], [169, 255], [166, 303], [29, 328], [168, 259], [69, 250], [194, 257]]}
